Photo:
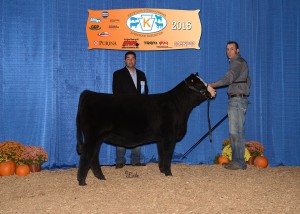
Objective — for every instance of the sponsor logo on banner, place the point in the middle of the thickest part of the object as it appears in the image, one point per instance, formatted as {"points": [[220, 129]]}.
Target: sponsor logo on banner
{"points": [[105, 43], [150, 42], [143, 29], [105, 14], [103, 34], [114, 26], [115, 20], [130, 43], [163, 43], [95, 27], [185, 43], [95, 20], [146, 23]]}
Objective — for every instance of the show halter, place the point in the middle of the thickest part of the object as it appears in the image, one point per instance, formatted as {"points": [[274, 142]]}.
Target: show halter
{"points": [[203, 92]]}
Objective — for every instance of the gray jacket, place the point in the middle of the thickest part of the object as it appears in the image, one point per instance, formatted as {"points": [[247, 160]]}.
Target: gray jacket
{"points": [[236, 77]]}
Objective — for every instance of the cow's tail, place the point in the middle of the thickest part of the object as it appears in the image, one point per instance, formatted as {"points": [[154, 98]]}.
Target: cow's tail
{"points": [[79, 124], [79, 135]]}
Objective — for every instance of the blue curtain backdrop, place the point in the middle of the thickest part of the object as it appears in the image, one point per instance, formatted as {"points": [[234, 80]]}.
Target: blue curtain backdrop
{"points": [[45, 65]]}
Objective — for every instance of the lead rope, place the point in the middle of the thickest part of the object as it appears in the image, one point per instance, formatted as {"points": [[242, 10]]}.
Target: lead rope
{"points": [[208, 118]]}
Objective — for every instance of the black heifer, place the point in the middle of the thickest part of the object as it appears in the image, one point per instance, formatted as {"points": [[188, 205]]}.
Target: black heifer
{"points": [[131, 120]]}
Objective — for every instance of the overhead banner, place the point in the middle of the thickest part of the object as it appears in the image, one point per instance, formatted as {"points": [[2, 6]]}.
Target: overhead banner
{"points": [[143, 29]]}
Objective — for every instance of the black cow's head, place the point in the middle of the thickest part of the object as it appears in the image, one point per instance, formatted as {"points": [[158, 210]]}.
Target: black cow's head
{"points": [[195, 83]]}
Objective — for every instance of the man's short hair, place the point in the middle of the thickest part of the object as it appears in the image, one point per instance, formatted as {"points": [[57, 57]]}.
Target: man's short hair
{"points": [[233, 42], [130, 52]]}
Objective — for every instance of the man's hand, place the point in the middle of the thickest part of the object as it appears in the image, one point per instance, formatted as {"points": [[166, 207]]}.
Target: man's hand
{"points": [[212, 91]]}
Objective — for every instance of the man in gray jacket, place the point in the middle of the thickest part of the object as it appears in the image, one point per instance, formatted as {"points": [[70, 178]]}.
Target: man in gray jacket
{"points": [[238, 82]]}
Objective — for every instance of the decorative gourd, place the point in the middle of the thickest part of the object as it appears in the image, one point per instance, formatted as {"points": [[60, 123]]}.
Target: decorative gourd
{"points": [[22, 170], [261, 161], [7, 168], [222, 160]]}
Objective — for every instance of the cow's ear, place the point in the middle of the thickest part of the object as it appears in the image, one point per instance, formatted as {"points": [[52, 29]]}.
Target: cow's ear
{"points": [[196, 73]]}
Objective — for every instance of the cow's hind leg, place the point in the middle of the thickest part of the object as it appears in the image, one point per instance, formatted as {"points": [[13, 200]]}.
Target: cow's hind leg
{"points": [[95, 166], [86, 157], [82, 170]]}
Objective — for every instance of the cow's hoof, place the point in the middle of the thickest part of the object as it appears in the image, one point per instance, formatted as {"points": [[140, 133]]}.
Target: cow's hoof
{"points": [[101, 177], [82, 183], [168, 173]]}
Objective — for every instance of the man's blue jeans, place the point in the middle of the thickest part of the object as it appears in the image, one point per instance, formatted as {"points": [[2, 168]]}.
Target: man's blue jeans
{"points": [[135, 155], [237, 107]]}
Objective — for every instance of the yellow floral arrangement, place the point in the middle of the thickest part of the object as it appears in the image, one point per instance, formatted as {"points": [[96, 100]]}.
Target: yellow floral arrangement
{"points": [[227, 152]]}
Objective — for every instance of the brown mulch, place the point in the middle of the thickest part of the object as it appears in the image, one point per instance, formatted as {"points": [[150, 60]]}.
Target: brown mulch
{"points": [[191, 189]]}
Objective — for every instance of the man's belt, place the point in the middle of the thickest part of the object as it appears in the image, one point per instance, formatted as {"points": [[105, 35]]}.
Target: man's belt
{"points": [[237, 95]]}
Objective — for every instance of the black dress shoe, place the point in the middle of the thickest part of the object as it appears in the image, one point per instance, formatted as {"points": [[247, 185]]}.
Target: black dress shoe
{"points": [[119, 165], [139, 164]]}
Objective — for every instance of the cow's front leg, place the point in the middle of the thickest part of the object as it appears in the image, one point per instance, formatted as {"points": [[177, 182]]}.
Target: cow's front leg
{"points": [[168, 150], [95, 166]]}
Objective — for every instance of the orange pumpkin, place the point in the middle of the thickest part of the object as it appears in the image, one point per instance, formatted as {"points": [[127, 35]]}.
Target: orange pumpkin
{"points": [[22, 170], [222, 160], [261, 161], [13, 167], [7, 168]]}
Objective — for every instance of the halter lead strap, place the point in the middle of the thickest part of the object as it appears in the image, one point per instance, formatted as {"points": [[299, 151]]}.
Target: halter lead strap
{"points": [[202, 91]]}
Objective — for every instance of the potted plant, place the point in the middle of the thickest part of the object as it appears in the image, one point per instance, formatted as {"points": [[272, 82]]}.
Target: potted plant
{"points": [[256, 149], [227, 152], [218, 156], [10, 156], [11, 150], [34, 157]]}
